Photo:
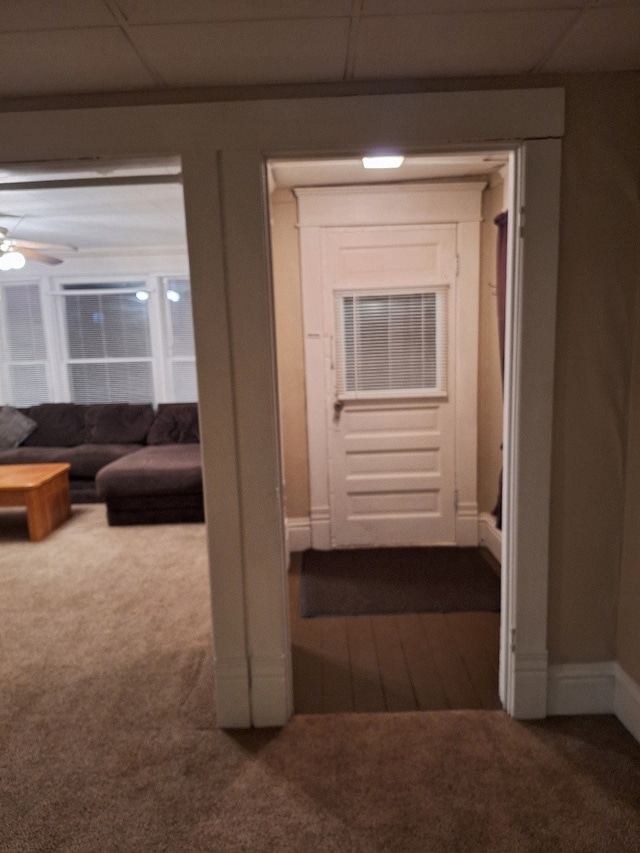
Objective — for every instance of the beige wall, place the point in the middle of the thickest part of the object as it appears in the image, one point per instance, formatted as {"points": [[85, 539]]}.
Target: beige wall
{"points": [[285, 257], [598, 278], [489, 374], [628, 636]]}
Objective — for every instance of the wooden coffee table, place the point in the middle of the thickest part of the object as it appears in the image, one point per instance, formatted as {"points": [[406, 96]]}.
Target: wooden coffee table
{"points": [[42, 489]]}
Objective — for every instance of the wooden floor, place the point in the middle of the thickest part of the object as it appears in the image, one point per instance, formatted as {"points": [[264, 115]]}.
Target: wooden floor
{"points": [[407, 662]]}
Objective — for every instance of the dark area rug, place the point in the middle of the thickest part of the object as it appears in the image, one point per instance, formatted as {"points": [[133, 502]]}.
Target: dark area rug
{"points": [[359, 582]]}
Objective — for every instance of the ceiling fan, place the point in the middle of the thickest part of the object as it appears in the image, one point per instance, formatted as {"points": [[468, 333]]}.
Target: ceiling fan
{"points": [[14, 251]]}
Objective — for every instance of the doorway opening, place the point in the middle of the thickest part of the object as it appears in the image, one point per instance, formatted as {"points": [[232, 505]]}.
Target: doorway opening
{"points": [[440, 210], [97, 356]]}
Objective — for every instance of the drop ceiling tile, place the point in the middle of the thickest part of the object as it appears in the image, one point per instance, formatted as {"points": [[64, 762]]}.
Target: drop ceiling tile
{"points": [[605, 39], [428, 7], [246, 52], [69, 61], [168, 11], [456, 45], [17, 15]]}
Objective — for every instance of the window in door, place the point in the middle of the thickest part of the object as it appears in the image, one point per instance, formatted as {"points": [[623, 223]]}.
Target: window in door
{"points": [[391, 343]]}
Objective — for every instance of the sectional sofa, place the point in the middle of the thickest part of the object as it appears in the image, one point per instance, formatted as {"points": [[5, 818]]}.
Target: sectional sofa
{"points": [[143, 463]]}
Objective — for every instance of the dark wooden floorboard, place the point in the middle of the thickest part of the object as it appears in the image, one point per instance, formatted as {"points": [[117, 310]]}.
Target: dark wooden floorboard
{"points": [[470, 632], [366, 684], [336, 672], [396, 683], [427, 686], [453, 674], [405, 662]]}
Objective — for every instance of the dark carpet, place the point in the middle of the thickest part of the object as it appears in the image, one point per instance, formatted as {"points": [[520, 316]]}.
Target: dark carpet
{"points": [[360, 582]]}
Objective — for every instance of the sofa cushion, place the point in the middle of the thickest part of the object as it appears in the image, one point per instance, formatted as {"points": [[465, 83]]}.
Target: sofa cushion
{"points": [[85, 459], [118, 423], [175, 423], [14, 427], [59, 425], [162, 469]]}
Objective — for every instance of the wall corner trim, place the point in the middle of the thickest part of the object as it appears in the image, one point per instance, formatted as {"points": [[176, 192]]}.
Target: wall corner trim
{"points": [[595, 688], [489, 536], [298, 533], [268, 691], [577, 688], [626, 701], [232, 695]]}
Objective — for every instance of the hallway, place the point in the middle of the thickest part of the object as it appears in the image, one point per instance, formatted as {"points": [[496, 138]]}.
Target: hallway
{"points": [[405, 662]]}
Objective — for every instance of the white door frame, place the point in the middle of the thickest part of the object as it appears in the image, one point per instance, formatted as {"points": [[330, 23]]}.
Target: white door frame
{"points": [[451, 203], [533, 243]]}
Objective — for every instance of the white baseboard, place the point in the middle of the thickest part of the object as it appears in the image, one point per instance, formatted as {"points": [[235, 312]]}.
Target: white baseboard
{"points": [[467, 525], [581, 688], [298, 533], [626, 701], [595, 688], [233, 704], [531, 682], [489, 535], [269, 691]]}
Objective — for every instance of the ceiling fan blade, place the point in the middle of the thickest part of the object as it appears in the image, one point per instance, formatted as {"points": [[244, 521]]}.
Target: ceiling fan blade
{"points": [[38, 256], [3, 231], [34, 244]]}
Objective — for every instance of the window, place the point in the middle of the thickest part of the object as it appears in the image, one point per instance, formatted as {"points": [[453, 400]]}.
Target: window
{"points": [[97, 340], [24, 353], [391, 343], [181, 355], [108, 342]]}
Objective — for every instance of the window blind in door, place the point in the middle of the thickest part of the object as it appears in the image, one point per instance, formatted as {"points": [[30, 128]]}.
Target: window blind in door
{"points": [[391, 343]]}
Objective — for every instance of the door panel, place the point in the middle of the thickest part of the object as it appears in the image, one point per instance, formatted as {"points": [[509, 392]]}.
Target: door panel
{"points": [[391, 475], [391, 451]]}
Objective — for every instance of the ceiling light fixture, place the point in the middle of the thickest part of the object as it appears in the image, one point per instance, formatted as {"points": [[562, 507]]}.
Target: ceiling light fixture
{"points": [[142, 295], [383, 161], [173, 295], [11, 260]]}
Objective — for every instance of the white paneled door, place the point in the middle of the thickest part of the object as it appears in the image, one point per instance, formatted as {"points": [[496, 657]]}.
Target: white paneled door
{"points": [[389, 301]]}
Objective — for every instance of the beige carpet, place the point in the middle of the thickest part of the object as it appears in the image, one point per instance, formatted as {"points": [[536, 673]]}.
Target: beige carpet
{"points": [[108, 742]]}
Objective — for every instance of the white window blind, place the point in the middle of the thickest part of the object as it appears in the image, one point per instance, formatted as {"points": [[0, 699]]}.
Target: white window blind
{"points": [[180, 344], [391, 343], [24, 348], [109, 357]]}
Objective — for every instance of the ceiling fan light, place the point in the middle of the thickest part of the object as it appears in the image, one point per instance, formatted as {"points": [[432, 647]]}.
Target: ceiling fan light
{"points": [[12, 260], [173, 295]]}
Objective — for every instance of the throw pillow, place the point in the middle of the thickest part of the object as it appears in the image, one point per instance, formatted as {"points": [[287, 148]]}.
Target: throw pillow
{"points": [[59, 425], [175, 423], [14, 427], [118, 423]]}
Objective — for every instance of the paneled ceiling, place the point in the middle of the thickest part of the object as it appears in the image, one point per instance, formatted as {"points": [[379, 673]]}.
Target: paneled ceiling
{"points": [[91, 46], [67, 47]]}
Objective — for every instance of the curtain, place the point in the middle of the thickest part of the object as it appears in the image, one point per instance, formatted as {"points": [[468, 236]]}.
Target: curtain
{"points": [[501, 221]]}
